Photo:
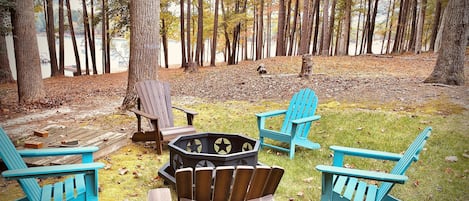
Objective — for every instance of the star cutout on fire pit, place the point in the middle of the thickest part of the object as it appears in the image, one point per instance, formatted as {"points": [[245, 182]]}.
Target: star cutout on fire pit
{"points": [[247, 146], [194, 145], [222, 146]]}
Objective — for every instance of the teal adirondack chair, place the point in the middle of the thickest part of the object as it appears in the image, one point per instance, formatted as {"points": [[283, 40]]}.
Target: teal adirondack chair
{"points": [[339, 183], [81, 185], [296, 123]]}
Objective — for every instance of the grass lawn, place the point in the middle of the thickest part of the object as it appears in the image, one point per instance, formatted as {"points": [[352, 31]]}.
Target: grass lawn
{"points": [[376, 127]]}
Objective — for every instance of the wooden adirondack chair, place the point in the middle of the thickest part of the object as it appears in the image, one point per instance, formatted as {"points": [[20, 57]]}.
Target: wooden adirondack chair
{"points": [[229, 183], [81, 185], [339, 183], [154, 103], [296, 124]]}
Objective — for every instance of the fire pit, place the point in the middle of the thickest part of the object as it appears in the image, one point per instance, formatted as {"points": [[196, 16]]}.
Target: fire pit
{"points": [[209, 150]]}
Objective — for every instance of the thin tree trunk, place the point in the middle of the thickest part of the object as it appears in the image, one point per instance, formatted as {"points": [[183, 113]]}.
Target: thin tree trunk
{"points": [[293, 29], [436, 23], [316, 27], [358, 27], [74, 40], [413, 27], [214, 38], [164, 39], [326, 37], [51, 38], [304, 38], [388, 45], [5, 71], [183, 37], [418, 42], [200, 29], [372, 28], [386, 28], [61, 37], [90, 39], [188, 34], [342, 48], [260, 31]]}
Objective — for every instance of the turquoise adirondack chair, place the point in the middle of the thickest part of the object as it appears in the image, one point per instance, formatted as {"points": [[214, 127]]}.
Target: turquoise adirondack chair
{"points": [[339, 183], [296, 123], [81, 185]]}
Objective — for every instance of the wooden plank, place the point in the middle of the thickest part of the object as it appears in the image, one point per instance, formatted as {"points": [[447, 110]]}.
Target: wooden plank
{"points": [[41, 133], [107, 142], [33, 144]]}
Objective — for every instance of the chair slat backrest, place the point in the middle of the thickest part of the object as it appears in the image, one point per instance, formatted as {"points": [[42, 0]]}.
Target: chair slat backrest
{"points": [[302, 104], [155, 99], [410, 155], [229, 183], [222, 183], [13, 161]]}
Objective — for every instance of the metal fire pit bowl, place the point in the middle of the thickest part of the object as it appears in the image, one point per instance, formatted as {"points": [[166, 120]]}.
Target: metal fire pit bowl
{"points": [[209, 150]]}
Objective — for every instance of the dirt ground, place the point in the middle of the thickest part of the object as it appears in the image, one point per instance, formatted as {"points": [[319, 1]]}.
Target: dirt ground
{"points": [[366, 80]]}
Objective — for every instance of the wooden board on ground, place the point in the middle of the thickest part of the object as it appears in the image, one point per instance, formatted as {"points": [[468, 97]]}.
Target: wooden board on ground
{"points": [[107, 142]]}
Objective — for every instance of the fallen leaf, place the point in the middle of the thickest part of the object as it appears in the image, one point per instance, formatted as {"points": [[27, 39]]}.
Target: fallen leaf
{"points": [[300, 194], [416, 183], [451, 158], [308, 180]]}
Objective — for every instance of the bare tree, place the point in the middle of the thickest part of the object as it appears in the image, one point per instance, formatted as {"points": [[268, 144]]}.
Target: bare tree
{"points": [[418, 40], [28, 66], [214, 38], [144, 45], [449, 68]]}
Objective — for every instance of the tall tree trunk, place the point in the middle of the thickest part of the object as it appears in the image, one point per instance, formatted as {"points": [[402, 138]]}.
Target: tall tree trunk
{"points": [[188, 34], [305, 28], [164, 39], [200, 31], [388, 45], [436, 23], [413, 27], [61, 38], [316, 27], [372, 28], [74, 40], [213, 51], [269, 29], [342, 48], [89, 39], [418, 42], [260, 31], [104, 37], [401, 24], [358, 27], [449, 68], [144, 45], [326, 37], [5, 71], [293, 29], [280, 49], [183, 37], [51, 38], [28, 66], [331, 25], [386, 28]]}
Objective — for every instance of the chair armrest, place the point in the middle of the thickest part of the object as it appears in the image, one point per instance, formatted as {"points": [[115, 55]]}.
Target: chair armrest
{"points": [[366, 153], [57, 151], [365, 174], [306, 119], [142, 113], [186, 110], [271, 113], [50, 171]]}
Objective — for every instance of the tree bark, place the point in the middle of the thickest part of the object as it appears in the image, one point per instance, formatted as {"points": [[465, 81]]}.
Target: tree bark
{"points": [[280, 49], [213, 51], [326, 37], [74, 40], [28, 66], [436, 23], [306, 21], [61, 38], [5, 71], [183, 37], [51, 38], [200, 29], [342, 48], [372, 28], [144, 45], [418, 39], [260, 31], [449, 68]]}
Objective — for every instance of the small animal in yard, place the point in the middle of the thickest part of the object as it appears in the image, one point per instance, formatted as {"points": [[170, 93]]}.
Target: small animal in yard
{"points": [[261, 69]]}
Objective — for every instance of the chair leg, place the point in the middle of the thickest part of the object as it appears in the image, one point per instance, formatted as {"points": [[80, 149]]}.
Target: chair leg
{"points": [[261, 141], [292, 150]]}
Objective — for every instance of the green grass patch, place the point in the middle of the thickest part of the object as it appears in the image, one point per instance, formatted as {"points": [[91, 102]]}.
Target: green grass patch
{"points": [[375, 127]]}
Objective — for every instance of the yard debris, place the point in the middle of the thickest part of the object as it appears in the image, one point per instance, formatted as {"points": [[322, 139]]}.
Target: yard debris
{"points": [[308, 180], [123, 171], [451, 159]]}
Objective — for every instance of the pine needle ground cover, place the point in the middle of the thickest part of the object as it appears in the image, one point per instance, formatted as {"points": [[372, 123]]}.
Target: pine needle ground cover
{"points": [[132, 171]]}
